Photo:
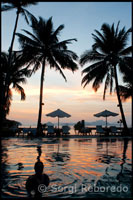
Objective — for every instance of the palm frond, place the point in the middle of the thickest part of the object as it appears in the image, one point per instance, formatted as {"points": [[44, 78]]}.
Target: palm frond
{"points": [[99, 79], [27, 15], [58, 30], [94, 66], [55, 65], [37, 63], [66, 59], [99, 44], [24, 41], [92, 56], [124, 64], [33, 20], [117, 28], [107, 81], [23, 13], [100, 35], [98, 73], [106, 30], [126, 51], [20, 90], [33, 36], [7, 7], [124, 92]]}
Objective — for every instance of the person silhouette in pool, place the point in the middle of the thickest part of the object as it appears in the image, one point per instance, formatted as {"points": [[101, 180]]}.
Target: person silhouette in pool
{"points": [[36, 183]]}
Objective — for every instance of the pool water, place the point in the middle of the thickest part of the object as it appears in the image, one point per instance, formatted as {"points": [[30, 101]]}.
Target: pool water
{"points": [[77, 168]]}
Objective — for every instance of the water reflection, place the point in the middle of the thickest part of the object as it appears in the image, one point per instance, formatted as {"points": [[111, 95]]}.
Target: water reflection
{"points": [[105, 151], [67, 162], [121, 177], [20, 166], [39, 150], [121, 174], [4, 168], [58, 156], [11, 182]]}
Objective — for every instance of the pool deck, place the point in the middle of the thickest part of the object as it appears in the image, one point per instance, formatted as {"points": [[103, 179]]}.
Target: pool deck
{"points": [[79, 136], [88, 136]]}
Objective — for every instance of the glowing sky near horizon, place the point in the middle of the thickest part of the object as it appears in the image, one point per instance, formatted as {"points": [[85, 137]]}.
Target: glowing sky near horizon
{"points": [[80, 20]]}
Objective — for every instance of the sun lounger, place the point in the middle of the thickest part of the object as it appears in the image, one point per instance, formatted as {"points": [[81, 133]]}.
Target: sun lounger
{"points": [[65, 130], [26, 131], [33, 131], [113, 129], [100, 130], [50, 130], [85, 131]]}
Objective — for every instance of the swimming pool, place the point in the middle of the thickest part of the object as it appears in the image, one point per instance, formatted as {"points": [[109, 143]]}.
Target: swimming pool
{"points": [[77, 168]]}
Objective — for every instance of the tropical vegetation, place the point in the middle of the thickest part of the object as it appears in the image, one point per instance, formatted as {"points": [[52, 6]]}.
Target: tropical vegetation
{"points": [[126, 91], [109, 54], [18, 74], [20, 6], [43, 48]]}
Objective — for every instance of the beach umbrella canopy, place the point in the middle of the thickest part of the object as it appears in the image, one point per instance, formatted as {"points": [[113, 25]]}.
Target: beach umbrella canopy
{"points": [[106, 113], [58, 113]]}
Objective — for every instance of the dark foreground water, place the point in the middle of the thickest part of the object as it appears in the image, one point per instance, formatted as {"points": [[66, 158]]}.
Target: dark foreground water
{"points": [[78, 168]]}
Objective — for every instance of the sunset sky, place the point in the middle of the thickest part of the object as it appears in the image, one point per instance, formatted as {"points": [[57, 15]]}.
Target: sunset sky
{"points": [[80, 20]]}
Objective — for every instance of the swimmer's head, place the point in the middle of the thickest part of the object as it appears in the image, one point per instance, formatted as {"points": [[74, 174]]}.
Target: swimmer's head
{"points": [[38, 167]]}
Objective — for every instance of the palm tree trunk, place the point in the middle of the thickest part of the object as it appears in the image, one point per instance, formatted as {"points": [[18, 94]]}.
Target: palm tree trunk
{"points": [[5, 94], [40, 102], [2, 105], [10, 54], [119, 101], [132, 114]]}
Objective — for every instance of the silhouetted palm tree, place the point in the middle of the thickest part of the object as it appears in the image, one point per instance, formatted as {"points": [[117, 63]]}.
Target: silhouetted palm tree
{"points": [[20, 6], [18, 74], [43, 47], [108, 53], [126, 91]]}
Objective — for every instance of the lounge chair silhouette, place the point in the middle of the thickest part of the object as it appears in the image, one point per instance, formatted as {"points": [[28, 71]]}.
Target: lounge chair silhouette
{"points": [[113, 129], [50, 130], [65, 130], [99, 129]]}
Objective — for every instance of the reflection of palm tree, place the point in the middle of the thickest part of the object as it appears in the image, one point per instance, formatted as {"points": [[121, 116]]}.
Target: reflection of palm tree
{"points": [[125, 146], [43, 47], [39, 150], [110, 51], [105, 157]]}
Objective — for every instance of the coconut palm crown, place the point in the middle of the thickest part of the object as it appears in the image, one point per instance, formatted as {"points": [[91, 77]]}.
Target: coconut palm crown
{"points": [[126, 91], [18, 74], [108, 54], [20, 7], [43, 48]]}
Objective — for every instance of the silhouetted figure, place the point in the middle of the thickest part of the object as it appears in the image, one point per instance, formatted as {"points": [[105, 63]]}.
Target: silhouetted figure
{"points": [[33, 182], [79, 126]]}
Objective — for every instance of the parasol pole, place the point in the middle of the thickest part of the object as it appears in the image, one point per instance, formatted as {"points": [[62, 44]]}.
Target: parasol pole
{"points": [[58, 122], [106, 121]]}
